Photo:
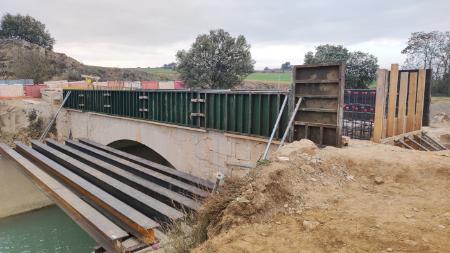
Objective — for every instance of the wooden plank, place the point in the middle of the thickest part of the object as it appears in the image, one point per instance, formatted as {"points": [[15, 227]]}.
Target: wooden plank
{"points": [[420, 99], [380, 105], [410, 118], [393, 80], [401, 117]]}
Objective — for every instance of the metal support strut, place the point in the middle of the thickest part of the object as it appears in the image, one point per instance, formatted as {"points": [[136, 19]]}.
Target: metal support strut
{"points": [[291, 120], [275, 127], [44, 134]]}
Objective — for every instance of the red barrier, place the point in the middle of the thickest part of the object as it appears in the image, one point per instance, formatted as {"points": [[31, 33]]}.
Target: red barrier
{"points": [[180, 85], [149, 85], [33, 91]]}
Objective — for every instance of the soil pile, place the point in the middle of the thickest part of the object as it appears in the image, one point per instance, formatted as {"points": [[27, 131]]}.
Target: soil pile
{"points": [[441, 119], [364, 198]]}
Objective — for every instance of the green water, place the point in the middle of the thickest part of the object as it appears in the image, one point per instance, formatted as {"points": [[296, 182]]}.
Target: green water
{"points": [[44, 230]]}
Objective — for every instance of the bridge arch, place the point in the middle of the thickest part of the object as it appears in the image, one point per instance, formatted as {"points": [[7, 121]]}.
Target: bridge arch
{"points": [[138, 149]]}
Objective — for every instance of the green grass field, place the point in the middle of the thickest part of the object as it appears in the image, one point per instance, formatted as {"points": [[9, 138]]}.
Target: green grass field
{"points": [[285, 77], [169, 74]]}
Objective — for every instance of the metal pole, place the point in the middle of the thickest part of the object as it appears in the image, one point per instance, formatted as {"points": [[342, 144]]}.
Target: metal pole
{"points": [[44, 134], [275, 127], [291, 120]]}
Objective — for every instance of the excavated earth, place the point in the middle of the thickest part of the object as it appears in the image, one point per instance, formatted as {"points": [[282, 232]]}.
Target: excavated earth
{"points": [[362, 198]]}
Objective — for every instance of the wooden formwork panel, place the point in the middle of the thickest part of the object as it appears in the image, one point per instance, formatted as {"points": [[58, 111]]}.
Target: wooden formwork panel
{"points": [[319, 117], [400, 100]]}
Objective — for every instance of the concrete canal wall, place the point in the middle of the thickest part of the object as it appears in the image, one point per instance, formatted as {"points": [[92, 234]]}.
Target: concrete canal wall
{"points": [[18, 194]]}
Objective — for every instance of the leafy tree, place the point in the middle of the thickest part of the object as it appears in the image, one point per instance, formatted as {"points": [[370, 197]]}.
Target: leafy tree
{"points": [[26, 28], [360, 69], [286, 66], [215, 60], [430, 50], [327, 54]]}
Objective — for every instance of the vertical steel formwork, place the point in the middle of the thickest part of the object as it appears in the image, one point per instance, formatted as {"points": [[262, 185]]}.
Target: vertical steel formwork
{"points": [[244, 112]]}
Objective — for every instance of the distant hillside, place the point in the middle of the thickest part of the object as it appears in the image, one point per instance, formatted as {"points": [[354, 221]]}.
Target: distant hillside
{"points": [[20, 59]]}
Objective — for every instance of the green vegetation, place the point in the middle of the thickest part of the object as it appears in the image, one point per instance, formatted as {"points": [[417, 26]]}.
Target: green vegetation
{"points": [[25, 28], [282, 77], [170, 74], [360, 67], [160, 73], [215, 60]]}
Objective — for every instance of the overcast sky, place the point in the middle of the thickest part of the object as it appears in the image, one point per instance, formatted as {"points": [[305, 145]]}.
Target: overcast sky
{"points": [[129, 33]]}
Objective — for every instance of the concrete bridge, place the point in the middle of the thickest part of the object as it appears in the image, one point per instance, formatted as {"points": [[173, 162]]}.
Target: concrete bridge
{"points": [[199, 152], [203, 132], [177, 128]]}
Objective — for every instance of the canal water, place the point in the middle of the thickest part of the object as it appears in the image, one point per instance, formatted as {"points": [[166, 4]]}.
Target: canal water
{"points": [[43, 230]]}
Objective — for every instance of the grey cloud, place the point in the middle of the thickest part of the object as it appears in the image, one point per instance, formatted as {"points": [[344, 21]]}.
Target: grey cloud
{"points": [[139, 23]]}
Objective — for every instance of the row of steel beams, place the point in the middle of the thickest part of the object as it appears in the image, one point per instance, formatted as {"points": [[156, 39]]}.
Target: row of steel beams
{"points": [[116, 198], [138, 200], [156, 177], [139, 225], [182, 176], [154, 190]]}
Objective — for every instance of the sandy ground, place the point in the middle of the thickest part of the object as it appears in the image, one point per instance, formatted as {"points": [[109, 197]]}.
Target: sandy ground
{"points": [[439, 127], [362, 198]]}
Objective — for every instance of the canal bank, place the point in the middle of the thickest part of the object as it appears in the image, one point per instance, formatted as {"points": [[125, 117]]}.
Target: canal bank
{"points": [[18, 194]]}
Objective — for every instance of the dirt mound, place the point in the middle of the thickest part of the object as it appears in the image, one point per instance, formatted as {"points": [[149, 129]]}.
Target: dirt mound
{"points": [[364, 198], [441, 118]]}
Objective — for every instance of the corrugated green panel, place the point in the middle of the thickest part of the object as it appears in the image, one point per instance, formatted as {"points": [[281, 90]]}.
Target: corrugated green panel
{"points": [[248, 113]]}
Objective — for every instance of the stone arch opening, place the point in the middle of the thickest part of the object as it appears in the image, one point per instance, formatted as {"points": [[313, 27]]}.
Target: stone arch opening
{"points": [[141, 150]]}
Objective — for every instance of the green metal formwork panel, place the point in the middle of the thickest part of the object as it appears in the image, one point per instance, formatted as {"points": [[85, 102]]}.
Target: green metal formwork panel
{"points": [[242, 112]]}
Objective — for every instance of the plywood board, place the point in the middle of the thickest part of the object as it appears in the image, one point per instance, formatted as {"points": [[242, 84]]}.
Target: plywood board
{"points": [[380, 104], [401, 116], [420, 99], [411, 115], [392, 103]]}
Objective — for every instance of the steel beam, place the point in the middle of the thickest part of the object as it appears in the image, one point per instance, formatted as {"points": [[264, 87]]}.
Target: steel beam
{"points": [[129, 218], [441, 147], [138, 200], [102, 230], [179, 175], [163, 194], [416, 143], [427, 143], [156, 177]]}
